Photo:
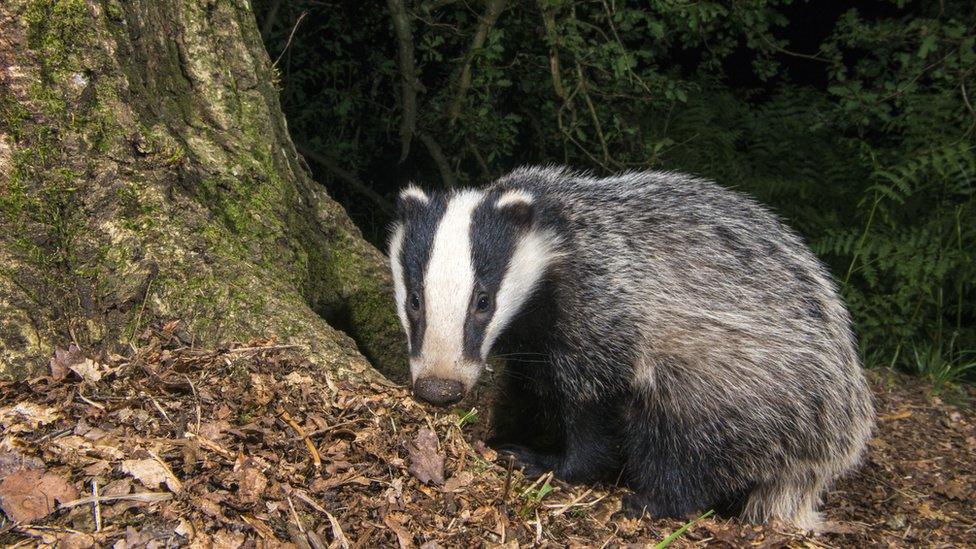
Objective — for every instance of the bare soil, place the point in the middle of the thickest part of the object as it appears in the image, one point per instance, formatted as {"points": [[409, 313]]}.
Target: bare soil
{"points": [[252, 446]]}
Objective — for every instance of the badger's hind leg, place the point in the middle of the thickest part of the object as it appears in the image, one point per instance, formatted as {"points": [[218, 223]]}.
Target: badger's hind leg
{"points": [[791, 498]]}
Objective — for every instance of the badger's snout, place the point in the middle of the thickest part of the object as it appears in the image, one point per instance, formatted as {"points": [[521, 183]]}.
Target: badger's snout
{"points": [[441, 392]]}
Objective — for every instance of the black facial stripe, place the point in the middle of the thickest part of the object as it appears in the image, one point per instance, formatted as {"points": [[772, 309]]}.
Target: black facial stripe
{"points": [[420, 226], [493, 240]]}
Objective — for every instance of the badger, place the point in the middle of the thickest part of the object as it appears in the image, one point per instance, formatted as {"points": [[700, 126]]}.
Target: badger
{"points": [[655, 328]]}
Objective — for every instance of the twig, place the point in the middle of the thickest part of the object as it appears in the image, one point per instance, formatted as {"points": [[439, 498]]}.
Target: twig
{"points": [[269, 19], [437, 154], [563, 507], [309, 501], [354, 183], [260, 527], [493, 9], [315, 540], [294, 514], [812, 57], [593, 114], [431, 5], [298, 537], [508, 478], [541, 480], [82, 396], [53, 434], [328, 429], [142, 497], [209, 444], [46, 528], [98, 506], [337, 532], [408, 74], [482, 165], [264, 348], [965, 96], [196, 397], [159, 408], [290, 36], [153, 272], [177, 485], [316, 459]]}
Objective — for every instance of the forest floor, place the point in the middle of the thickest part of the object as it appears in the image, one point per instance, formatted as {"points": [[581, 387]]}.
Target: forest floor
{"points": [[251, 447]]}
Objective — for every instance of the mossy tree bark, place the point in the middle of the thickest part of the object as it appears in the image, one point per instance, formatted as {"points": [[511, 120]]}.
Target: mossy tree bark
{"points": [[146, 172]]}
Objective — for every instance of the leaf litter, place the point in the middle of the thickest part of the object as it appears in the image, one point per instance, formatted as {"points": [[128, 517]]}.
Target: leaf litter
{"points": [[252, 446]]}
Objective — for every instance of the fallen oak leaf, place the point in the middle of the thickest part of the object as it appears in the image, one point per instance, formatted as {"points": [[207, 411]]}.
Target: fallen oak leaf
{"points": [[29, 495], [458, 481], [62, 361], [151, 473], [26, 416], [426, 460], [88, 370], [12, 461]]}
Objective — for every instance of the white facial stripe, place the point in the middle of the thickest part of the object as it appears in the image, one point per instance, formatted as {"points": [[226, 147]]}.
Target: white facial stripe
{"points": [[448, 283], [399, 283], [533, 254], [415, 193], [513, 197]]}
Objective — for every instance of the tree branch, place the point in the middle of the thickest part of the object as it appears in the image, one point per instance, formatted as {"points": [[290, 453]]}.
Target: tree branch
{"points": [[493, 9], [408, 74], [485, 172], [431, 5], [269, 19], [436, 153], [348, 178], [593, 114], [549, 21]]}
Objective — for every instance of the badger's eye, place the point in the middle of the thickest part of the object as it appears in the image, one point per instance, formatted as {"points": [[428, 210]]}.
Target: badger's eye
{"points": [[481, 305], [415, 301]]}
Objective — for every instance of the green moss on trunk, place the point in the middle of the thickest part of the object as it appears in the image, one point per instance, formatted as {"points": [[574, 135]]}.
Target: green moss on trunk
{"points": [[147, 173]]}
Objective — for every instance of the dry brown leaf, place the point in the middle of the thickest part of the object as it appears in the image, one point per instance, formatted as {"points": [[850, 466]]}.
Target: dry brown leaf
{"points": [[458, 481], [63, 360], [426, 460], [150, 473], [395, 522], [29, 495], [225, 539], [251, 484], [26, 416], [12, 461], [261, 392], [957, 488], [76, 540], [838, 527], [88, 370], [296, 378]]}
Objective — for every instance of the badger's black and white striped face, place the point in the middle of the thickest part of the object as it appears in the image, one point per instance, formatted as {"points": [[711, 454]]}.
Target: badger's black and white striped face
{"points": [[463, 265]]}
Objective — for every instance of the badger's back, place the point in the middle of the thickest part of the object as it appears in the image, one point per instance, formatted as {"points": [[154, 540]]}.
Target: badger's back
{"points": [[720, 308]]}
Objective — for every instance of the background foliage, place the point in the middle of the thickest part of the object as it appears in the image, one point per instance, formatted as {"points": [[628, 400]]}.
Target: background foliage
{"points": [[856, 124]]}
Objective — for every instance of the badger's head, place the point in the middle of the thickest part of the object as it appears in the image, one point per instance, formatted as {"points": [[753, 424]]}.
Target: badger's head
{"points": [[464, 264]]}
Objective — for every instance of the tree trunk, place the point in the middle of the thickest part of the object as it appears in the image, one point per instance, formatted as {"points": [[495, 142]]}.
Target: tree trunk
{"points": [[146, 174]]}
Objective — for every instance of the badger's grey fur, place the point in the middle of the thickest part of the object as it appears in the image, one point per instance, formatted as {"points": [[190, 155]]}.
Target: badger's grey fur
{"points": [[658, 324]]}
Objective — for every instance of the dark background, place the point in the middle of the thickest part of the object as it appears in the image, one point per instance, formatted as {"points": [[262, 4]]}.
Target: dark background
{"points": [[854, 121]]}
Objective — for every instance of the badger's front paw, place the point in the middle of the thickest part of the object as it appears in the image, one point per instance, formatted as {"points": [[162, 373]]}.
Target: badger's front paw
{"points": [[533, 463]]}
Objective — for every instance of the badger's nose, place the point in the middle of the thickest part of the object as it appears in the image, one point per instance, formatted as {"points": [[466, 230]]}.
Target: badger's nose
{"points": [[438, 391]]}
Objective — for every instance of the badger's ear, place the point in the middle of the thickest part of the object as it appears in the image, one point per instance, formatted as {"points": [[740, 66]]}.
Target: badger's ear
{"points": [[409, 199], [517, 206]]}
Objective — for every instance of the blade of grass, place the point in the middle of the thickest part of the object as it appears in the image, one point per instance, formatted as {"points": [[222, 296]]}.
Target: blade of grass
{"points": [[680, 531]]}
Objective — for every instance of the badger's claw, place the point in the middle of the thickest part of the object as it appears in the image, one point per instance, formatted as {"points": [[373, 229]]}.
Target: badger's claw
{"points": [[533, 463]]}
